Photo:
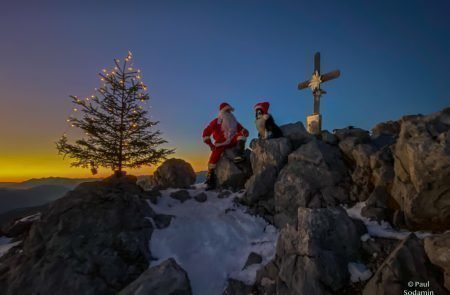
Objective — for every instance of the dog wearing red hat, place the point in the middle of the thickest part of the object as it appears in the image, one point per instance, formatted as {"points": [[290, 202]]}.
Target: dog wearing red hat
{"points": [[227, 132], [265, 124]]}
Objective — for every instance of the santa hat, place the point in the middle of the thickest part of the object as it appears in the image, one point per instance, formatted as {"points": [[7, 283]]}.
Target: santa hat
{"points": [[225, 107], [263, 106]]}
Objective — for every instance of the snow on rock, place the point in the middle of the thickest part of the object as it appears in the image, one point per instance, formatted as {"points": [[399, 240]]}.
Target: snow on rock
{"points": [[6, 244], [381, 229], [358, 272], [212, 240], [365, 237], [30, 218]]}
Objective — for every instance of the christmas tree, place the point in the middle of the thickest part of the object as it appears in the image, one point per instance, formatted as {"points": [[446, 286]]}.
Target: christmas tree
{"points": [[118, 133]]}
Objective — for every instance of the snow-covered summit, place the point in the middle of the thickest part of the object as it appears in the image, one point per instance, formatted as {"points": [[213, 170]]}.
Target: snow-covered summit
{"points": [[211, 240]]}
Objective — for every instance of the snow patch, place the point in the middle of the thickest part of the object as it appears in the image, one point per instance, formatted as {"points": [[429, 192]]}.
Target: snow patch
{"points": [[365, 237], [33, 217], [6, 244], [358, 272], [212, 240], [382, 229]]}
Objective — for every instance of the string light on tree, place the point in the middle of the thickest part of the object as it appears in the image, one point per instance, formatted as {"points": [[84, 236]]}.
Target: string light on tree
{"points": [[118, 129]]}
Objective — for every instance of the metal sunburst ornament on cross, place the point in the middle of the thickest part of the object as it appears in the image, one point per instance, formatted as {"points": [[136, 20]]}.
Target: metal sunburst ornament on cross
{"points": [[314, 121]]}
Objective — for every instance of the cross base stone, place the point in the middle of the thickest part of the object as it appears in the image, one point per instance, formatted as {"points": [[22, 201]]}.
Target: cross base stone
{"points": [[314, 124]]}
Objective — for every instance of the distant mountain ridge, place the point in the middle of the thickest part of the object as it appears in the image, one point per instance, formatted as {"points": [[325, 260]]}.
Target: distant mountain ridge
{"points": [[19, 198], [55, 181]]}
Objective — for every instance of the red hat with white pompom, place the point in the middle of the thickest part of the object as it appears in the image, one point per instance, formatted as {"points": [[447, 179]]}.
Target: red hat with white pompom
{"points": [[263, 106], [224, 106]]}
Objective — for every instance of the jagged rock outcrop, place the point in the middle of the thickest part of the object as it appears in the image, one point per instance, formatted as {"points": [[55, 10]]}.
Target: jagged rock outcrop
{"points": [[296, 133], [437, 248], [18, 228], [253, 258], [407, 263], [267, 159], [312, 257], [173, 173], [167, 278], [377, 205], [314, 177], [201, 197], [181, 195], [232, 175], [328, 137], [94, 240], [389, 128], [235, 287], [422, 170]]}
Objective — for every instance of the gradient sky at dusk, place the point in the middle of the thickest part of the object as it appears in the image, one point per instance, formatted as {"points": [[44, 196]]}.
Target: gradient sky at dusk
{"points": [[394, 58]]}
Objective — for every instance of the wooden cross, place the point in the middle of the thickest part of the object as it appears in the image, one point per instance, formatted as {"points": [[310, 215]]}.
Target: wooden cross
{"points": [[316, 80], [314, 83]]}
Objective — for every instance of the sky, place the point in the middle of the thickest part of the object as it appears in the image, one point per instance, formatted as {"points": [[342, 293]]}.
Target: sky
{"points": [[393, 56]]}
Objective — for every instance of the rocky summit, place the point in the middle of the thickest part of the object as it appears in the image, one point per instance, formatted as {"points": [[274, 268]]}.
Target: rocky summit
{"points": [[345, 212], [92, 241]]}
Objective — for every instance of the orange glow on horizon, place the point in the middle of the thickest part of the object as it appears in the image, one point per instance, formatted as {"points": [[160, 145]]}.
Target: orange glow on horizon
{"points": [[17, 168]]}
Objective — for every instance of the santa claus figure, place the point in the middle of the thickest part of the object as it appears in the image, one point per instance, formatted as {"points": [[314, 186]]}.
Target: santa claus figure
{"points": [[227, 132], [265, 124]]}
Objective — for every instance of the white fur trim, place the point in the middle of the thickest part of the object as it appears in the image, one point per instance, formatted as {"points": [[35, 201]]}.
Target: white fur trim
{"points": [[226, 142], [206, 138], [227, 108], [211, 166]]}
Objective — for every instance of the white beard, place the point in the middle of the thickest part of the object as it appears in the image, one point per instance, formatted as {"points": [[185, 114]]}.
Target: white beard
{"points": [[228, 124]]}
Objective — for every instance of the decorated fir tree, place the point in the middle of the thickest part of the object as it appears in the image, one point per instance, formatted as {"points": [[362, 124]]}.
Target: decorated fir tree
{"points": [[118, 133]]}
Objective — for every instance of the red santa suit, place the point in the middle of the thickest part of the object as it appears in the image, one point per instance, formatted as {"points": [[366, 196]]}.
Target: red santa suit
{"points": [[226, 131]]}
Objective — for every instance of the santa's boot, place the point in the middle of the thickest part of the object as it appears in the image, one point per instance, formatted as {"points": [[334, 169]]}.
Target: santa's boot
{"points": [[211, 179], [240, 151]]}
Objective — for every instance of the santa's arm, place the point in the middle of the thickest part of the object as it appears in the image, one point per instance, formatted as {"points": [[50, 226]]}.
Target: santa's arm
{"points": [[207, 133], [242, 132]]}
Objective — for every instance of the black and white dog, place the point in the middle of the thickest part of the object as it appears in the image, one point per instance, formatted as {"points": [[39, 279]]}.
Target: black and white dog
{"points": [[265, 124]]}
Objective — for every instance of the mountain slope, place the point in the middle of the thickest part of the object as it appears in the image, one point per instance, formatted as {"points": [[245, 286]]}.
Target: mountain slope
{"points": [[18, 198]]}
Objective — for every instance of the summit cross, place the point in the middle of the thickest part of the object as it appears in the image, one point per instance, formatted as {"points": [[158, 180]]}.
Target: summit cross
{"points": [[315, 120]]}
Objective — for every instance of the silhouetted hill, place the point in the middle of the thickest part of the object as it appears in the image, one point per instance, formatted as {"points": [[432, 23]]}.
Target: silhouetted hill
{"points": [[19, 198], [55, 181]]}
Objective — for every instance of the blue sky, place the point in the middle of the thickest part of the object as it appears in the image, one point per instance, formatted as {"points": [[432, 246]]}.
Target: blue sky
{"points": [[393, 56]]}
